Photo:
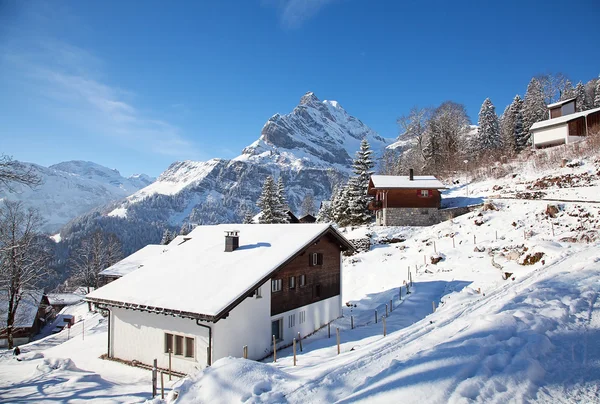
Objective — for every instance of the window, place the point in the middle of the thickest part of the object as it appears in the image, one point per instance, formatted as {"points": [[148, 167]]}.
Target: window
{"points": [[292, 283], [423, 193], [168, 343], [317, 291], [301, 317], [315, 259], [291, 320], [179, 345], [257, 293], [302, 280], [276, 329], [276, 285]]}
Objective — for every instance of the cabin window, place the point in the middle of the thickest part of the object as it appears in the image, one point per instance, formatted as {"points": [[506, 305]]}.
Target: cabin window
{"points": [[291, 320], [168, 343], [276, 285], [424, 193], [189, 347], [178, 345], [302, 280], [277, 329], [315, 259], [292, 282]]}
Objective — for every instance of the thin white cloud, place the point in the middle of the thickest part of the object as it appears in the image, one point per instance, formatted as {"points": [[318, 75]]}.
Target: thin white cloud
{"points": [[70, 84], [293, 13]]}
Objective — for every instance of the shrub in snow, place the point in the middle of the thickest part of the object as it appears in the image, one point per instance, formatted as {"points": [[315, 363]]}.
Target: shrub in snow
{"points": [[531, 258], [552, 210], [435, 258]]}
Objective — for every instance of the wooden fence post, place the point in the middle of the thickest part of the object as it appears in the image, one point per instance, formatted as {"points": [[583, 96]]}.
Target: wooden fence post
{"points": [[337, 331], [294, 351], [245, 349], [170, 363], [424, 262], [453, 244], [154, 377], [352, 322], [162, 385], [524, 235], [434, 248], [552, 228], [83, 329], [496, 234], [386, 310], [400, 293], [274, 349], [391, 306], [433, 305], [328, 330], [474, 239], [300, 341], [375, 316], [384, 327]]}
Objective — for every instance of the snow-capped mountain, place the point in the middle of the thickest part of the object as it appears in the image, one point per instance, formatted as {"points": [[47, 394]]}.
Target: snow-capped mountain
{"points": [[72, 188], [311, 148]]}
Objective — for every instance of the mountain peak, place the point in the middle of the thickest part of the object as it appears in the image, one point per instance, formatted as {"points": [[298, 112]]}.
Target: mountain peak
{"points": [[309, 98]]}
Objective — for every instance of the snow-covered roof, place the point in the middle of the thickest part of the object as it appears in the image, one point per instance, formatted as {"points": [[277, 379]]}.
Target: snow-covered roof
{"points": [[404, 181], [559, 103], [135, 260], [562, 119], [66, 299], [200, 278], [26, 311]]}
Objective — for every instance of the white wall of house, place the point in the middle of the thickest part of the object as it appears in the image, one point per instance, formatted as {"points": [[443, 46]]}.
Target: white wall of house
{"points": [[314, 316], [138, 335], [248, 324], [16, 342], [552, 135]]}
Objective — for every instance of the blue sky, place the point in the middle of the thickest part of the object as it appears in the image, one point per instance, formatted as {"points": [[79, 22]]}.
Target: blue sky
{"points": [[138, 85]]}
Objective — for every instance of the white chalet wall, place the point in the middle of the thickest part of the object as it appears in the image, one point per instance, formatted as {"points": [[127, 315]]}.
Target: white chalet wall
{"points": [[141, 336], [247, 324], [550, 136]]}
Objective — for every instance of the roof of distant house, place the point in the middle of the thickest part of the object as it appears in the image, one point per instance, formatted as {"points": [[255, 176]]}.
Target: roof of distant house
{"points": [[137, 259], [26, 311], [559, 103], [562, 119], [199, 279], [404, 181], [66, 299]]}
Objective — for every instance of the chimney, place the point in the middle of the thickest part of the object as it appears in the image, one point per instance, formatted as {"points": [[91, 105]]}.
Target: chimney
{"points": [[411, 174], [232, 240]]}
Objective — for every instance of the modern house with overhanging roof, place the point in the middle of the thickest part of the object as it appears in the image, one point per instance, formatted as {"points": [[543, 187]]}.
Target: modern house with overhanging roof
{"points": [[226, 287]]}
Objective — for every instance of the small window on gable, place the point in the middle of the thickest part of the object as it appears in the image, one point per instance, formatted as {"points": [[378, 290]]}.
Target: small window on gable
{"points": [[302, 280], [315, 259], [178, 345], [424, 193], [189, 347], [257, 293], [168, 343], [292, 282], [276, 285]]}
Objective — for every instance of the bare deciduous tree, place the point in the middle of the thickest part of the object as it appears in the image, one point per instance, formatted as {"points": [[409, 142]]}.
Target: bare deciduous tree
{"points": [[24, 258], [12, 171], [308, 205]]}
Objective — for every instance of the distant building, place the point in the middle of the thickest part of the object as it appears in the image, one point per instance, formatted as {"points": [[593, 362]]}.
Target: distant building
{"points": [[59, 301], [405, 200], [33, 312], [307, 219], [227, 287], [565, 126]]}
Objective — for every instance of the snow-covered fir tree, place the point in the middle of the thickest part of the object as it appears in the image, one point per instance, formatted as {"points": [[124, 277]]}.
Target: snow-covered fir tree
{"points": [[268, 202], [581, 102], [324, 215], [534, 106], [568, 91], [488, 133], [281, 203], [521, 137], [507, 132], [248, 218], [357, 186], [340, 206]]}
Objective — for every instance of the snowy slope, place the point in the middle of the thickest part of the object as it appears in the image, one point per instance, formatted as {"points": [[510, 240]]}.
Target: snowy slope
{"points": [[72, 188]]}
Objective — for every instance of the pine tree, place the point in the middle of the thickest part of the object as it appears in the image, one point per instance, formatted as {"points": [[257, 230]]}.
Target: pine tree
{"points": [[568, 91], [248, 218], [521, 138], [281, 203], [581, 97], [488, 133], [534, 107], [325, 214], [357, 186], [267, 202], [507, 130], [341, 205], [597, 94]]}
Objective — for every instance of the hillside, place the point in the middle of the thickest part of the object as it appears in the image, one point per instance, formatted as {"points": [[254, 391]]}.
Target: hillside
{"points": [[72, 188], [531, 336]]}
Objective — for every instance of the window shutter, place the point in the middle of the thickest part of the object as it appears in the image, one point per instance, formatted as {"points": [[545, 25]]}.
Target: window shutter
{"points": [[320, 259], [310, 260]]}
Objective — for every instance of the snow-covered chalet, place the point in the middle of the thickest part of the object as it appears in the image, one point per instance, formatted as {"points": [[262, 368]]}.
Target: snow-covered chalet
{"points": [[225, 287], [565, 126]]}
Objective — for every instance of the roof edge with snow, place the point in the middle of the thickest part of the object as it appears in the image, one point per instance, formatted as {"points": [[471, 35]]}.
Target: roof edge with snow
{"points": [[562, 119]]}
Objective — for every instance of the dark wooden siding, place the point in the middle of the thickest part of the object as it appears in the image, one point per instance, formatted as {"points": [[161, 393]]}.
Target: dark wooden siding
{"points": [[410, 198], [555, 112], [327, 276], [577, 127], [593, 122]]}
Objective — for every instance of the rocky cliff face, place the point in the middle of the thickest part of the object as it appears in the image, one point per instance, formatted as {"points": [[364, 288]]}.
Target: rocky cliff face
{"points": [[311, 148]]}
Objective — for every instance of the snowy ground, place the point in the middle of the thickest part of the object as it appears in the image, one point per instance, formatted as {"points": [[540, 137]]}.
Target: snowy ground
{"points": [[533, 336]]}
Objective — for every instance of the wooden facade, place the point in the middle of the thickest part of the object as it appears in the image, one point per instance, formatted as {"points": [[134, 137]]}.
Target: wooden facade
{"points": [[555, 112], [408, 198], [321, 274]]}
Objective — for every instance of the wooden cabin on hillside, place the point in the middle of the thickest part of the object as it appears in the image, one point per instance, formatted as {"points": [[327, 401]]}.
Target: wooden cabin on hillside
{"points": [[405, 200]]}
